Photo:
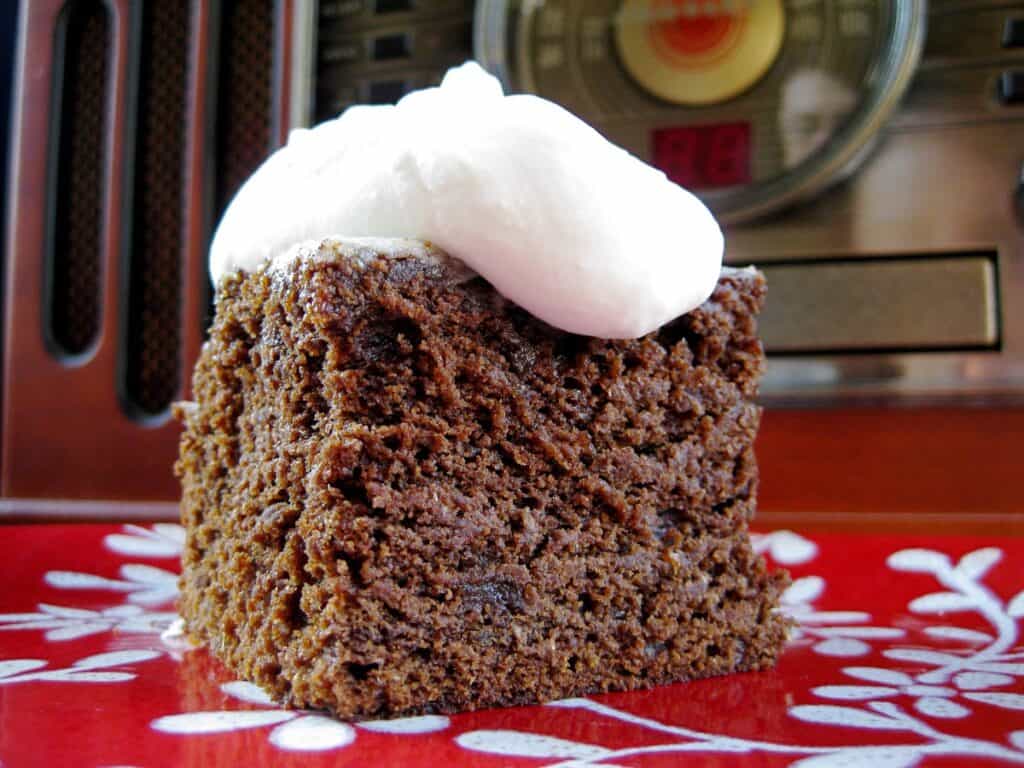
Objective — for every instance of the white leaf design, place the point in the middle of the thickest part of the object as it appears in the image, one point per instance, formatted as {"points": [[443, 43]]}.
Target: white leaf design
{"points": [[408, 725], [519, 744], [921, 656], [171, 532], [67, 613], [878, 675], [219, 722], [833, 617], [1004, 700], [929, 690], [864, 632], [75, 631], [1017, 739], [114, 659], [38, 624], [893, 757], [958, 633], [803, 590], [843, 647], [788, 548], [73, 676], [19, 617], [933, 706], [1016, 606], [18, 666], [127, 611], [1001, 668], [976, 564], [827, 714], [312, 733], [247, 692], [853, 692], [146, 574], [74, 580], [976, 681], [942, 602], [165, 540], [918, 560], [573, 703]]}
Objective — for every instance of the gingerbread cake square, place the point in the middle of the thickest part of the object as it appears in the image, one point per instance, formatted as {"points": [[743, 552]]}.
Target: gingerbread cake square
{"points": [[405, 494]]}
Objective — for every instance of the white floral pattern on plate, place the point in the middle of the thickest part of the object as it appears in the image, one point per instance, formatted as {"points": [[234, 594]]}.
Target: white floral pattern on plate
{"points": [[143, 584], [954, 673], [161, 540], [64, 623], [833, 633], [295, 730], [100, 668], [784, 547], [972, 671]]}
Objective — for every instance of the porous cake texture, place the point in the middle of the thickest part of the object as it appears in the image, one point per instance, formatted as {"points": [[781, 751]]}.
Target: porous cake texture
{"points": [[404, 494]]}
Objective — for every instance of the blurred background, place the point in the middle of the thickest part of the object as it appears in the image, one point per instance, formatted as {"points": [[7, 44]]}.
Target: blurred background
{"points": [[868, 155]]}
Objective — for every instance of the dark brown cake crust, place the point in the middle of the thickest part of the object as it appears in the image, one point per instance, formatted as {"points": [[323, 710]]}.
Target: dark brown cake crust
{"points": [[405, 494]]}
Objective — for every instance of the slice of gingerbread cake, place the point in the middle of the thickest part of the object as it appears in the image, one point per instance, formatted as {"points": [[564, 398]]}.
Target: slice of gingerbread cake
{"points": [[404, 493]]}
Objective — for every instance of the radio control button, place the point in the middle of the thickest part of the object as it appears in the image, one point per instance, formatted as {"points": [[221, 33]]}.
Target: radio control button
{"points": [[1013, 33], [340, 8], [1011, 87], [342, 53], [389, 47], [392, 6], [386, 91]]}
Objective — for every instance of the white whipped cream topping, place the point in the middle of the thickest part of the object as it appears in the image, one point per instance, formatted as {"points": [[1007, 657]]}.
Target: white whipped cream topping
{"points": [[572, 228]]}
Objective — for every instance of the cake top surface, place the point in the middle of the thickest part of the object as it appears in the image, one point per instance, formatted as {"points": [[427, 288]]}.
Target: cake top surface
{"points": [[575, 230]]}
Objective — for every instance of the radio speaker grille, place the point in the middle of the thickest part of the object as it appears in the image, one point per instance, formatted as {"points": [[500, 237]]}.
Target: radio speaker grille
{"points": [[153, 333], [135, 123], [244, 98], [81, 90], [244, 89]]}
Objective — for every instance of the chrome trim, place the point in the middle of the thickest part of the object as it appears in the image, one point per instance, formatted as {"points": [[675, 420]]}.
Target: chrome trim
{"points": [[303, 63], [848, 149]]}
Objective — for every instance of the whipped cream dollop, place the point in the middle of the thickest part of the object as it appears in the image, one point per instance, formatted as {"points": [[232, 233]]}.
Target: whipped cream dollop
{"points": [[574, 229]]}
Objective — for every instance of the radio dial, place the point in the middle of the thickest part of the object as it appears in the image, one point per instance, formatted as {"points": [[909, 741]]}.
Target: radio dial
{"points": [[754, 105]]}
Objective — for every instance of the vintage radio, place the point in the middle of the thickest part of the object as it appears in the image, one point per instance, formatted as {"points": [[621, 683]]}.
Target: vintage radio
{"points": [[868, 154]]}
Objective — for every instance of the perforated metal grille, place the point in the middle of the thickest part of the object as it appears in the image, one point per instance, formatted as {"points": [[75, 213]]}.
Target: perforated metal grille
{"points": [[74, 300], [244, 97], [154, 335]]}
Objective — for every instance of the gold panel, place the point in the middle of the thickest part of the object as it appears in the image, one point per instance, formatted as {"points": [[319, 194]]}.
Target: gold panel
{"points": [[927, 303]]}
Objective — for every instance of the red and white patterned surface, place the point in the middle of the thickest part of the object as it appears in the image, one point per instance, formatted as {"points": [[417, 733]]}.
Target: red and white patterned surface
{"points": [[908, 653]]}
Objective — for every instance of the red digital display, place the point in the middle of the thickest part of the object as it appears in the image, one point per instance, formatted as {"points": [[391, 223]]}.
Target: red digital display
{"points": [[704, 156]]}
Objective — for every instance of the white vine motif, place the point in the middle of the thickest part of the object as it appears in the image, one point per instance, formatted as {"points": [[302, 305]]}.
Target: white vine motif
{"points": [[294, 730], [63, 623], [100, 668], [968, 673], [833, 633]]}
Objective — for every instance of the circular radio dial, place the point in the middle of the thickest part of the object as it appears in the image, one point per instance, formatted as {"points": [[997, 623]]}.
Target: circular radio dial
{"points": [[752, 104]]}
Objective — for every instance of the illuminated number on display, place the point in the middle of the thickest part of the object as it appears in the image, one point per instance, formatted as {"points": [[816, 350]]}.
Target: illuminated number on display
{"points": [[675, 152], [728, 155], [704, 156]]}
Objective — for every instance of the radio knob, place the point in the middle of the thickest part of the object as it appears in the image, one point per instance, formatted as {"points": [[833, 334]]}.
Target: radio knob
{"points": [[1013, 33], [1011, 87]]}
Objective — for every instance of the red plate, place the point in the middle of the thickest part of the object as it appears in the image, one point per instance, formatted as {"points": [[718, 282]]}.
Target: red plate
{"points": [[908, 653]]}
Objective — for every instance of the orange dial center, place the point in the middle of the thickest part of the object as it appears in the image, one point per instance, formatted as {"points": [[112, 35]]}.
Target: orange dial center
{"points": [[698, 51], [689, 35]]}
